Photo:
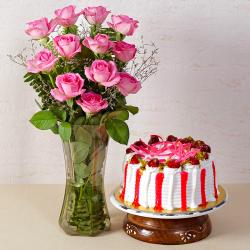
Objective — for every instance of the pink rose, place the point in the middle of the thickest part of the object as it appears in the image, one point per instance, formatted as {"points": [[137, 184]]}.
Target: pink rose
{"points": [[40, 28], [124, 51], [67, 45], [92, 103], [67, 16], [100, 44], [69, 85], [43, 61], [128, 84], [95, 15], [123, 24], [103, 72]]}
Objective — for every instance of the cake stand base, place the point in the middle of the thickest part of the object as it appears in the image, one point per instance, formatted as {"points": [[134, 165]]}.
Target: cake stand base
{"points": [[167, 231]]}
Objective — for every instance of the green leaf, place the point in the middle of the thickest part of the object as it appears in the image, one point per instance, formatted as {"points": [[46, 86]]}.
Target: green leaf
{"points": [[59, 113], [95, 120], [87, 53], [65, 131], [55, 129], [81, 171], [29, 77], [70, 103], [80, 121], [89, 191], [59, 69], [80, 151], [38, 104], [70, 30], [119, 36], [118, 130], [43, 120], [83, 135], [121, 100], [132, 109], [122, 115]]}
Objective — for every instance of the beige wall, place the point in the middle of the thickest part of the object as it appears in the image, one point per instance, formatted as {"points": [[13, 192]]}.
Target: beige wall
{"points": [[202, 87]]}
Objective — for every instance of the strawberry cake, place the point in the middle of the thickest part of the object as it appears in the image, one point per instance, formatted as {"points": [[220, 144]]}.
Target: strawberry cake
{"points": [[169, 174]]}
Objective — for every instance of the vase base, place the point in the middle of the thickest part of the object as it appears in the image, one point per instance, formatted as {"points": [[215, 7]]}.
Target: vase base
{"points": [[72, 231]]}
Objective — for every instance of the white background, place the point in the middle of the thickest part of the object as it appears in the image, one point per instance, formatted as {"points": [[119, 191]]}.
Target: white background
{"points": [[202, 87]]}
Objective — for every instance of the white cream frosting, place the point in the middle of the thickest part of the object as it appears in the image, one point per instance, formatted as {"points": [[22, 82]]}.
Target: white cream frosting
{"points": [[130, 182], [171, 186], [168, 188], [144, 185]]}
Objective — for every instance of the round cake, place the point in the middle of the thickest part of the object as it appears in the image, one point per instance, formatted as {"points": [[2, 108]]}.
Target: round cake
{"points": [[176, 173]]}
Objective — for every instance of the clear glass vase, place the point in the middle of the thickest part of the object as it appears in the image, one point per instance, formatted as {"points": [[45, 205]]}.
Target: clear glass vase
{"points": [[84, 210]]}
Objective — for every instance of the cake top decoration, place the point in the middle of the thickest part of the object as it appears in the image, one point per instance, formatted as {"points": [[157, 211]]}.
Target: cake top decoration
{"points": [[172, 152]]}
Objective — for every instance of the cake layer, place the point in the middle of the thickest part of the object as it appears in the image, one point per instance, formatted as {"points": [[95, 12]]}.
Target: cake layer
{"points": [[171, 174], [200, 186]]}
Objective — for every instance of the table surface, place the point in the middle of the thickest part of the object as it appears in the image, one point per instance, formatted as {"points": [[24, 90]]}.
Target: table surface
{"points": [[29, 215]]}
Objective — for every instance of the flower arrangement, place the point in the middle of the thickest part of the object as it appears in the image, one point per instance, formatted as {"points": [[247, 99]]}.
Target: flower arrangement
{"points": [[83, 75]]}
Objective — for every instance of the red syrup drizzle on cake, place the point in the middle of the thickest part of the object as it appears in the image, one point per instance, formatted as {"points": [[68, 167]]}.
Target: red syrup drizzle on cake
{"points": [[125, 182], [170, 153], [137, 188], [214, 174], [165, 149], [158, 191], [184, 179], [203, 188]]}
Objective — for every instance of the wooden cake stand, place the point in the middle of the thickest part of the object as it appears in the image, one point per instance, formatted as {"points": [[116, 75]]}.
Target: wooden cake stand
{"points": [[168, 227]]}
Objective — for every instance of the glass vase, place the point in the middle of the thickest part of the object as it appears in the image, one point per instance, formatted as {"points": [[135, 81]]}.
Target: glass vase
{"points": [[84, 210]]}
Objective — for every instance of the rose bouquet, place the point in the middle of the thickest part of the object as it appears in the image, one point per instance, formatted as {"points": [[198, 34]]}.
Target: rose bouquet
{"points": [[82, 76], [81, 79]]}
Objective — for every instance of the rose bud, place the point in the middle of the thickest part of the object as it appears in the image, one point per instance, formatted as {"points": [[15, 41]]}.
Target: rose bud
{"points": [[100, 44], [128, 84], [124, 51], [69, 85], [67, 16], [67, 45], [103, 72], [91, 102], [123, 24], [44, 61], [95, 15], [40, 28]]}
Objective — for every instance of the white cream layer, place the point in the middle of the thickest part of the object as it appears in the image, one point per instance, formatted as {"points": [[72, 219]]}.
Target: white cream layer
{"points": [[171, 186]]}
